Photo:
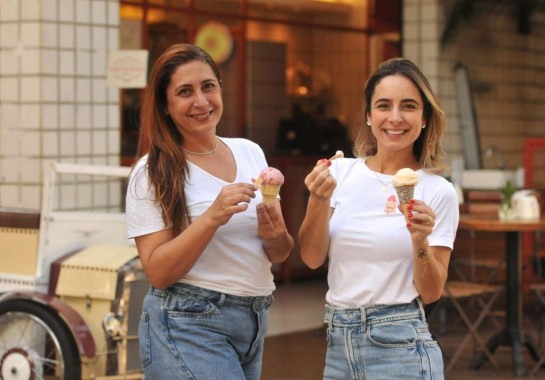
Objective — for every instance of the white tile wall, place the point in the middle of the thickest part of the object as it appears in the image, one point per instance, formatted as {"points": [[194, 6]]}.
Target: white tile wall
{"points": [[83, 12], [9, 63], [83, 116], [68, 143], [83, 36], [50, 119], [99, 142], [98, 12], [31, 172], [83, 143], [67, 93], [11, 143], [54, 104], [50, 10], [66, 34], [50, 33], [31, 34], [9, 89], [9, 194], [49, 89], [10, 10], [67, 116], [8, 35], [66, 10], [30, 197], [9, 115], [30, 9], [30, 61], [67, 62], [30, 89], [50, 147]]}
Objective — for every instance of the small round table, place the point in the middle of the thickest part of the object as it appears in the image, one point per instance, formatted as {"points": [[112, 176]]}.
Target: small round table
{"points": [[513, 333]]}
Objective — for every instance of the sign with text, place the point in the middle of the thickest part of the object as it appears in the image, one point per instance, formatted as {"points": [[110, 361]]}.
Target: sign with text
{"points": [[127, 68]]}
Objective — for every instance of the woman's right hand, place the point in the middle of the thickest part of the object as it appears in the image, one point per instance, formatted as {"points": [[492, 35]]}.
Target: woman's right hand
{"points": [[232, 199], [320, 182]]}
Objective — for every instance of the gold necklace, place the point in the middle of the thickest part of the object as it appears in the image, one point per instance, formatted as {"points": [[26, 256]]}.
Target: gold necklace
{"points": [[202, 153], [384, 187]]}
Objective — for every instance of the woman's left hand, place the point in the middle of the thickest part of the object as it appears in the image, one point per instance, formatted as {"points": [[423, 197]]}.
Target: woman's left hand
{"points": [[272, 230], [421, 220], [270, 224]]}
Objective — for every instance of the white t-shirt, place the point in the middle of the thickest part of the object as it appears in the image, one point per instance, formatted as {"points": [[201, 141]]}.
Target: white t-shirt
{"points": [[371, 253], [234, 262]]}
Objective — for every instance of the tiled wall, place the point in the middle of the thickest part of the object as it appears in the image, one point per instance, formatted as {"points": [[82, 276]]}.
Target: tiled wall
{"points": [[54, 101], [506, 70]]}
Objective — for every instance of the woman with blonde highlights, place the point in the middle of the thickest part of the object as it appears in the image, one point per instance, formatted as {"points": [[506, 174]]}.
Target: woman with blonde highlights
{"points": [[384, 264]]}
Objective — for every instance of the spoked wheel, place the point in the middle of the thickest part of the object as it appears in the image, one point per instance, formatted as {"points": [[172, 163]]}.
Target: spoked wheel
{"points": [[35, 344]]}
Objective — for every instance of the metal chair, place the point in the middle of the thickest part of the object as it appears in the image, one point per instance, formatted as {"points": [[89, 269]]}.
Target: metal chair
{"points": [[481, 297], [472, 268]]}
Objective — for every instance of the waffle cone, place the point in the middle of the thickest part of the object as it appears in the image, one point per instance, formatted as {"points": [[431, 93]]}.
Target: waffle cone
{"points": [[269, 193], [404, 207], [405, 193]]}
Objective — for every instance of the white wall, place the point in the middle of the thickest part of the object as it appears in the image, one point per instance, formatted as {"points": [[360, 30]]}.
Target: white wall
{"points": [[54, 103]]}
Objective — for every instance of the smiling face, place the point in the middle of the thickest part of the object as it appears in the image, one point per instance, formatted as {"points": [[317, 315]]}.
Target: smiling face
{"points": [[396, 113], [194, 98]]}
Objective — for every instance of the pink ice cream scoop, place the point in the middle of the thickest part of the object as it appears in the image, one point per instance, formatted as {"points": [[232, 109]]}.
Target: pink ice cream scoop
{"points": [[270, 176], [269, 182]]}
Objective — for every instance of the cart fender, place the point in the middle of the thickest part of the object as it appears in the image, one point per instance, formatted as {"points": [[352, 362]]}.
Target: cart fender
{"points": [[78, 327]]}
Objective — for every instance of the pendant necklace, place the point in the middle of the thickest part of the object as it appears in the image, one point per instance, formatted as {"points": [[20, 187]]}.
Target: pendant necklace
{"points": [[384, 187], [202, 153]]}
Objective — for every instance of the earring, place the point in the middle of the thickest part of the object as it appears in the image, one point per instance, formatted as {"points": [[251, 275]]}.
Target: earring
{"points": [[424, 126], [368, 123]]}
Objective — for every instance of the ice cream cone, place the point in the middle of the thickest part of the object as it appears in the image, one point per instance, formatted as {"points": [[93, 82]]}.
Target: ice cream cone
{"points": [[404, 182], [405, 193], [269, 193]]}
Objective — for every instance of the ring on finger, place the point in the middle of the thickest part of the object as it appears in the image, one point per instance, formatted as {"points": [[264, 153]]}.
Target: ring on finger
{"points": [[430, 220]]}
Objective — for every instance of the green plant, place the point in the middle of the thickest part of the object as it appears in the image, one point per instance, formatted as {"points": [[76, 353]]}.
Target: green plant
{"points": [[507, 192]]}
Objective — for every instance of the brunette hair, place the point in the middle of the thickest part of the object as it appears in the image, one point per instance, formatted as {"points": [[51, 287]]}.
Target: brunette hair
{"points": [[427, 148], [167, 164]]}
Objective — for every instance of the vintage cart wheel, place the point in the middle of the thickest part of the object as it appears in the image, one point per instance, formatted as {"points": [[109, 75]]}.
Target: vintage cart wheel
{"points": [[35, 344]]}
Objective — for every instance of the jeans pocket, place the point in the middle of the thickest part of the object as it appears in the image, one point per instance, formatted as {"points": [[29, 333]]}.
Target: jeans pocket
{"points": [[398, 334], [189, 307], [145, 340]]}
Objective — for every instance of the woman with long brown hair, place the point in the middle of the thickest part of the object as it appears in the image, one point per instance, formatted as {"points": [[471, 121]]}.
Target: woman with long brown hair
{"points": [[205, 239]]}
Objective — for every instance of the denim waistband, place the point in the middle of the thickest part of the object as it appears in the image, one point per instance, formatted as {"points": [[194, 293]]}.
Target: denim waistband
{"points": [[367, 315], [218, 298]]}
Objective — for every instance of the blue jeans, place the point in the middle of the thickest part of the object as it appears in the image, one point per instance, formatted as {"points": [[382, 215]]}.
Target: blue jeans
{"points": [[187, 332], [381, 343]]}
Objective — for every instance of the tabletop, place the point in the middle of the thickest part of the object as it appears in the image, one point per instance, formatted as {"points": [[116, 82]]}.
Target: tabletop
{"points": [[491, 223]]}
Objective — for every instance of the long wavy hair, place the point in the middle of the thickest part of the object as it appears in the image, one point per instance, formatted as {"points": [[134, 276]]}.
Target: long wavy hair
{"points": [[427, 149], [167, 164]]}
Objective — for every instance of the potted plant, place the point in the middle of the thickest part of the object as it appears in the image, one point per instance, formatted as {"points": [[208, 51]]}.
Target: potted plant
{"points": [[506, 208]]}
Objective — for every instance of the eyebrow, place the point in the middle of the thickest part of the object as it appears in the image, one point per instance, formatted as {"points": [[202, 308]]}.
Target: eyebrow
{"points": [[402, 100], [185, 85]]}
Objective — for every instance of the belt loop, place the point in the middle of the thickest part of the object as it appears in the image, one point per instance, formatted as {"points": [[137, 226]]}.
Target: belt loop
{"points": [[222, 299], [331, 312], [421, 307], [363, 316]]}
